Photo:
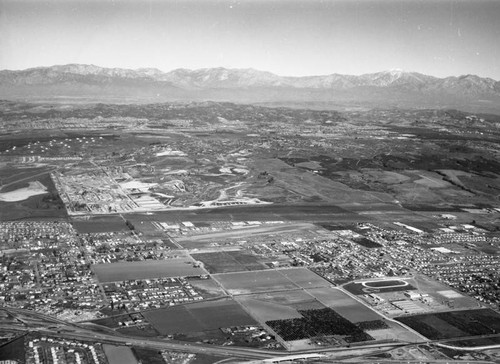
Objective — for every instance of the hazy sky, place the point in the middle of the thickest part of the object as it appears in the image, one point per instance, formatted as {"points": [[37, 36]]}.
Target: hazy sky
{"points": [[307, 37]]}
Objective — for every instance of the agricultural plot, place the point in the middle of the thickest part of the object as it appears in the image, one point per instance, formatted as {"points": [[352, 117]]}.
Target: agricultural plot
{"points": [[119, 354], [177, 267], [454, 324], [372, 325], [254, 282], [230, 261], [198, 317], [394, 331], [278, 305], [304, 278], [322, 322], [267, 311], [476, 342], [344, 305], [100, 224]]}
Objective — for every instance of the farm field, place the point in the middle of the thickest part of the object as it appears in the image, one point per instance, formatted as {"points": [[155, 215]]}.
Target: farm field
{"points": [[99, 224], [278, 305], [318, 322], [491, 341], [177, 267], [198, 317], [229, 261], [264, 310], [395, 331], [304, 278], [254, 282], [119, 354], [343, 304], [454, 324]]}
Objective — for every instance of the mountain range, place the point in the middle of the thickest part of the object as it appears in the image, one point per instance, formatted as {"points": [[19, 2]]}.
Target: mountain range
{"points": [[394, 88]]}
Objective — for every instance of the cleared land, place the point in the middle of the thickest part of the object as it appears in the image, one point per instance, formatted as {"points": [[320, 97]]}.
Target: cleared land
{"points": [[123, 271], [46, 205], [21, 194]]}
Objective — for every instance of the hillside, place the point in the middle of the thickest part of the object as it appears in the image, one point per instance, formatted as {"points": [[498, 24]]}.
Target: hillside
{"points": [[394, 88]]}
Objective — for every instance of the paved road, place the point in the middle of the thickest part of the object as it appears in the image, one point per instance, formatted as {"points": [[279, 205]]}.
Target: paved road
{"points": [[58, 328]]}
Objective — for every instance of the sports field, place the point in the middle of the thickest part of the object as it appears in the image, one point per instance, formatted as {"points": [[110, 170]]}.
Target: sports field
{"points": [[362, 288], [178, 267]]}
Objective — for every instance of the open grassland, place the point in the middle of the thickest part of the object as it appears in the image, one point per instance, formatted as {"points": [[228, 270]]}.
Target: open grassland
{"points": [[177, 267]]}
